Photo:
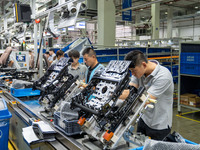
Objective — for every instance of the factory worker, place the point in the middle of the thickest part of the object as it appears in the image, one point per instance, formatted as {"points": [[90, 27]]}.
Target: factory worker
{"points": [[158, 82], [52, 55], [76, 68], [90, 59], [47, 55], [31, 59], [59, 54]]}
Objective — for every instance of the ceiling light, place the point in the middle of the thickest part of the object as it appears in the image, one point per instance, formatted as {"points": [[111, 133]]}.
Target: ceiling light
{"points": [[166, 13], [141, 9], [170, 2], [196, 7]]}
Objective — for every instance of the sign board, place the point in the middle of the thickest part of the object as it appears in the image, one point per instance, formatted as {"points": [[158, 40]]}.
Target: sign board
{"points": [[127, 15]]}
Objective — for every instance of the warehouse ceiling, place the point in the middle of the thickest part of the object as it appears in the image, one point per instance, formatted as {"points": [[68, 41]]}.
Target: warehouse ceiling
{"points": [[180, 7]]}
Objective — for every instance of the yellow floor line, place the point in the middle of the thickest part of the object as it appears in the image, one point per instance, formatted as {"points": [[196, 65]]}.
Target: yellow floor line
{"points": [[190, 112], [10, 147], [188, 118]]}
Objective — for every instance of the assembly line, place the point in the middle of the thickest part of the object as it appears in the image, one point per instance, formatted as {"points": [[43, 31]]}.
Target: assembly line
{"points": [[68, 82]]}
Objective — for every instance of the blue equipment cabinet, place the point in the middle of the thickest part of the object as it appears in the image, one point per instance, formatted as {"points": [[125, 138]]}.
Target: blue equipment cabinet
{"points": [[5, 116]]}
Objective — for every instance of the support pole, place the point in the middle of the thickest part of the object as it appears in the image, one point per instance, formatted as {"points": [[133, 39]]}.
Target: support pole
{"points": [[169, 22], [106, 23], [155, 13]]}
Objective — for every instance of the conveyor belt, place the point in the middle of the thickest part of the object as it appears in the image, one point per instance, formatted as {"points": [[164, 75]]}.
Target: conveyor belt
{"points": [[24, 112]]}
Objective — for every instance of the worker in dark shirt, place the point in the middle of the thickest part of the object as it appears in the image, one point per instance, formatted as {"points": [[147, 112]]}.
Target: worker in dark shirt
{"points": [[90, 59]]}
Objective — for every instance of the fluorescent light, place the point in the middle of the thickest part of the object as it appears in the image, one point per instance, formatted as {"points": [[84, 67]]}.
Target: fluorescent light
{"points": [[196, 7]]}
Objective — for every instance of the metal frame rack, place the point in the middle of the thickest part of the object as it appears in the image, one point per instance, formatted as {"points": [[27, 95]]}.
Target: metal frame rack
{"points": [[189, 72]]}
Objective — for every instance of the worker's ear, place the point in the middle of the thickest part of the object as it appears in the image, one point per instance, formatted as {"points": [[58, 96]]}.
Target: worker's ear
{"points": [[93, 56], [144, 64]]}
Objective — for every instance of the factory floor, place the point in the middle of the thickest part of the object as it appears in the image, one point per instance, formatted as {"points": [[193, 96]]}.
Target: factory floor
{"points": [[187, 124]]}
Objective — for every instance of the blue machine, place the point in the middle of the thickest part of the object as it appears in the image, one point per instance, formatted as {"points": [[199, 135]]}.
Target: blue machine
{"points": [[5, 116]]}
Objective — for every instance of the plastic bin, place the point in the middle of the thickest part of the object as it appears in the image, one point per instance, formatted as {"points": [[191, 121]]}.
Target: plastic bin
{"points": [[190, 58], [24, 92], [81, 60], [158, 50], [190, 69], [5, 116], [175, 70], [127, 50], [106, 59], [106, 52], [68, 127]]}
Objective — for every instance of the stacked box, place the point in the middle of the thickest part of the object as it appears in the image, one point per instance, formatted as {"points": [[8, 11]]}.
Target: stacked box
{"points": [[184, 98], [194, 101]]}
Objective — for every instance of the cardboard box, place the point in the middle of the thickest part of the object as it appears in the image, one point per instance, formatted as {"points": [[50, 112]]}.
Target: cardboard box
{"points": [[184, 103], [184, 98], [194, 102]]}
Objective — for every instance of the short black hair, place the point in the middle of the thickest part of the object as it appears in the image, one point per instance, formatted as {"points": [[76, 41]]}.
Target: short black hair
{"points": [[89, 51], [74, 53], [59, 53], [136, 57], [52, 50], [47, 53]]}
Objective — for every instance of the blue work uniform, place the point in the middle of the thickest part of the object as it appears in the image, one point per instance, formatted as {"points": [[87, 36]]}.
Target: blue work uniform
{"points": [[90, 72]]}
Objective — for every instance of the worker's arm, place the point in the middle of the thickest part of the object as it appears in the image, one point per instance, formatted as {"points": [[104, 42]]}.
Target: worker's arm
{"points": [[11, 63], [151, 97], [83, 84], [125, 93]]}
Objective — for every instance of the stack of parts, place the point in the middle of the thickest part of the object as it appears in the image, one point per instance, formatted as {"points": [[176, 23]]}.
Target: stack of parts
{"points": [[38, 132]]}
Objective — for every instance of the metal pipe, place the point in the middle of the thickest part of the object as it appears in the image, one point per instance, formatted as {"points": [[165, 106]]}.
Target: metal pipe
{"points": [[86, 109]]}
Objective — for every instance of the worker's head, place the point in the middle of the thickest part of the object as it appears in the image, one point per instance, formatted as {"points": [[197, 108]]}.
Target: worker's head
{"points": [[138, 63], [47, 54], [51, 51], [59, 54], [75, 55], [89, 56]]}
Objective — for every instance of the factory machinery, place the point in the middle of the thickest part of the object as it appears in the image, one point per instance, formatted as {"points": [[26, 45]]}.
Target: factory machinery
{"points": [[56, 85], [102, 115]]}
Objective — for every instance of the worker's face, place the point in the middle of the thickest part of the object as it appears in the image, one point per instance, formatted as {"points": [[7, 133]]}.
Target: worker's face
{"points": [[75, 61], [51, 52], [138, 71], [89, 60], [60, 56], [47, 55]]}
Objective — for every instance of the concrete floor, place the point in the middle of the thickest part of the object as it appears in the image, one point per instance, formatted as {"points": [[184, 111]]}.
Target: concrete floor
{"points": [[189, 126]]}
